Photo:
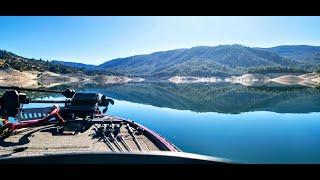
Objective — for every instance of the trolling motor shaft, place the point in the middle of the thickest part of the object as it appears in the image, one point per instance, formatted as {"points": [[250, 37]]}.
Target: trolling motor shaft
{"points": [[68, 93]]}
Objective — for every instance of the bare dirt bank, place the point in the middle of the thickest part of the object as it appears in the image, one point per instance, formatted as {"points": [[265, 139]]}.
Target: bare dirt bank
{"points": [[249, 79], [190, 79], [11, 77], [309, 79]]}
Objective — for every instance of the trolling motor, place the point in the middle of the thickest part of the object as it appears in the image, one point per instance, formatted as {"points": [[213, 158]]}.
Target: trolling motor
{"points": [[87, 104], [78, 105]]}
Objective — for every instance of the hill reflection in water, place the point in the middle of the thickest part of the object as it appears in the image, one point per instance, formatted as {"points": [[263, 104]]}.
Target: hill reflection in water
{"points": [[216, 97]]}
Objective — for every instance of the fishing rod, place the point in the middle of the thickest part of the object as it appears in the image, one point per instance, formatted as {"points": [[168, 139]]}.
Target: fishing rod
{"points": [[134, 137], [124, 143], [68, 93]]}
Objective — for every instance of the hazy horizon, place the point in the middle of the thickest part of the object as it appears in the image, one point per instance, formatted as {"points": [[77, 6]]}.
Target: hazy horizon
{"points": [[94, 40]]}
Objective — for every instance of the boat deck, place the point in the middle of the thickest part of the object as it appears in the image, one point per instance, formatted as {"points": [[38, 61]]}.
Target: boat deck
{"points": [[77, 136]]}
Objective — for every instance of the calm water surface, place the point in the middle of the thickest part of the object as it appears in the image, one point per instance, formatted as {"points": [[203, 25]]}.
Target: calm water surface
{"points": [[269, 124]]}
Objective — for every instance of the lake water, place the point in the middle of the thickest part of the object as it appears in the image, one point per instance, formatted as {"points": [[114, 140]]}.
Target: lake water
{"points": [[265, 124]]}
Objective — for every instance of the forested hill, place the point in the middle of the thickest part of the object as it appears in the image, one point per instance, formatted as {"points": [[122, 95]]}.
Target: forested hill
{"points": [[11, 60], [221, 60], [14, 61]]}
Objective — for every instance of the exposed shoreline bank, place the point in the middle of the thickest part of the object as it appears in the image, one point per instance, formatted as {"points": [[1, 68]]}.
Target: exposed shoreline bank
{"points": [[11, 77], [309, 79]]}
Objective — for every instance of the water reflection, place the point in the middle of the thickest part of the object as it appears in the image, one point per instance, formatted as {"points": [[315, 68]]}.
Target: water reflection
{"points": [[217, 97]]}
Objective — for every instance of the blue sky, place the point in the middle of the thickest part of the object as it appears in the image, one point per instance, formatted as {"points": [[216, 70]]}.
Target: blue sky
{"points": [[94, 40]]}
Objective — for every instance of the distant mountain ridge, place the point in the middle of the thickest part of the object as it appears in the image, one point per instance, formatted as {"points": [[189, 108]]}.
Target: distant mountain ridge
{"points": [[74, 64], [88, 69], [301, 53], [223, 60]]}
